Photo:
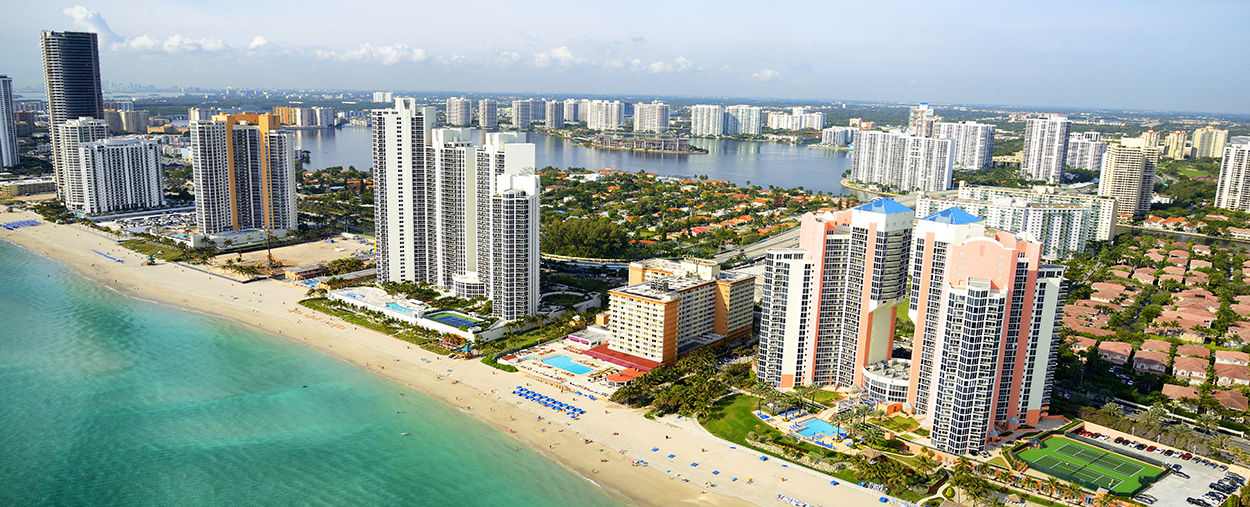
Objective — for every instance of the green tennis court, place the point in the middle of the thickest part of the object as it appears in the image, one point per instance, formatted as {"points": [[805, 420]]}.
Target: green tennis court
{"points": [[1118, 474]]}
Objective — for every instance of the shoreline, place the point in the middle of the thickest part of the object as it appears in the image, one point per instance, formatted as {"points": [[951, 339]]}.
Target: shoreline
{"points": [[598, 447]]}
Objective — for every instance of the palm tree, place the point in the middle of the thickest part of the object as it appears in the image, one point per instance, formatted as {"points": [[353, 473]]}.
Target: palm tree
{"points": [[1207, 422], [1076, 492], [963, 466], [875, 415], [924, 464], [1105, 500], [1054, 486], [1112, 410], [1153, 415], [801, 390]]}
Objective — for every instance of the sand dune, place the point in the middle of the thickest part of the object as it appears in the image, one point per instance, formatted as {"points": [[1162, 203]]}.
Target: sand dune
{"points": [[618, 434]]}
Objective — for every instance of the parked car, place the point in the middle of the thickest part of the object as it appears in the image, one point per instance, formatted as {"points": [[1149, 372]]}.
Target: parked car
{"points": [[1151, 448], [1141, 446], [1216, 496], [1169, 453], [1198, 502]]}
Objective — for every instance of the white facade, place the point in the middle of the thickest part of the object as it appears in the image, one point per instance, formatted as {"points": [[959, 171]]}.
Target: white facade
{"points": [[1174, 145], [743, 120], [1064, 229], [119, 174], [1045, 147], [605, 115], [244, 175], [459, 111], [487, 113], [325, 117], [1233, 191], [838, 136], [651, 117], [8, 131], [1209, 142], [707, 120], [71, 134], [455, 211], [522, 113], [383, 97], [555, 114], [1085, 153], [787, 343], [902, 161], [972, 143], [1101, 226], [572, 111]]}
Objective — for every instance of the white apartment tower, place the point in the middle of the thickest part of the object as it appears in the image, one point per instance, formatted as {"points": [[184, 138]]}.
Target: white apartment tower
{"points": [[1128, 175], [1209, 142], [1064, 229], [987, 330], [1233, 191], [605, 115], [651, 117], [902, 161], [1174, 145], [456, 212], [555, 114], [119, 174], [828, 306], [522, 113], [458, 111], [8, 131], [1103, 210], [244, 172], [1084, 152], [572, 111], [72, 134], [707, 120], [972, 143], [743, 120], [838, 136], [487, 113], [1045, 147]]}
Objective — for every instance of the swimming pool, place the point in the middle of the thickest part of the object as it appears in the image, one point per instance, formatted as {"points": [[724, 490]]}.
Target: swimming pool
{"points": [[396, 307], [814, 426], [567, 364], [453, 319]]}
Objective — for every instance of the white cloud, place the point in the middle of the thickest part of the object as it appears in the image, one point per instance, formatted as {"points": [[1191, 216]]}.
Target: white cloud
{"points": [[88, 20], [766, 75], [386, 55], [560, 55], [678, 65], [507, 58], [258, 42], [683, 63]]}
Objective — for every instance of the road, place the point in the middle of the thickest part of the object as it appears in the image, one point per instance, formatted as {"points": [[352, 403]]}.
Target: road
{"points": [[756, 250]]}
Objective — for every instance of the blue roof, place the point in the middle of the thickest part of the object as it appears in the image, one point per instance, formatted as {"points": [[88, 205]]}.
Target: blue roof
{"points": [[884, 205], [952, 216]]}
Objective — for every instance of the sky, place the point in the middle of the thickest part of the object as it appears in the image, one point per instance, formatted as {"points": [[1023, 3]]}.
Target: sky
{"points": [[1144, 55]]}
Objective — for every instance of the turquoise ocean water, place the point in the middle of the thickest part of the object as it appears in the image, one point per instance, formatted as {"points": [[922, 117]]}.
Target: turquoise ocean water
{"points": [[107, 400]]}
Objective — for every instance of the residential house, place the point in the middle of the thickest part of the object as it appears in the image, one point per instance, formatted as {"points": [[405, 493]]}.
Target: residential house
{"points": [[1232, 375], [1115, 352], [1081, 344], [1231, 399], [1149, 361], [1156, 345], [1232, 357], [1193, 351], [1178, 393], [1190, 369]]}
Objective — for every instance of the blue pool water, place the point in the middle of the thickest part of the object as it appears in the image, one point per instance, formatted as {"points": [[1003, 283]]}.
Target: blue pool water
{"points": [[814, 426], [396, 307], [452, 319], [566, 364]]}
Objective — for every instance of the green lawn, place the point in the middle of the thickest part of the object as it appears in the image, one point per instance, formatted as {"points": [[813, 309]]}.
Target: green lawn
{"points": [[1090, 465], [823, 397], [168, 254], [899, 424], [731, 419]]}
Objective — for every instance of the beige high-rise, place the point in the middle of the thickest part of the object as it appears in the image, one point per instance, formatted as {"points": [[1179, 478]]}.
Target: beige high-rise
{"points": [[1209, 142], [1128, 175], [1174, 145]]}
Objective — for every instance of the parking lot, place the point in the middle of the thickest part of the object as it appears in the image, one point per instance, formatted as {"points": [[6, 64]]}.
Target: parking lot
{"points": [[1174, 489]]}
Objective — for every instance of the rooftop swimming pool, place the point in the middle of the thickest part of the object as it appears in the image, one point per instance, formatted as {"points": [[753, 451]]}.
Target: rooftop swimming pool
{"points": [[567, 364], [814, 426], [453, 319], [396, 307]]}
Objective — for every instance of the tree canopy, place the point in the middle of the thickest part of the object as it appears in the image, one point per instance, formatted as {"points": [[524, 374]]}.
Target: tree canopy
{"points": [[584, 238]]}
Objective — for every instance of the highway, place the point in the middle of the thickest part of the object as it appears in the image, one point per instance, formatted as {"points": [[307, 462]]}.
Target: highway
{"points": [[756, 250]]}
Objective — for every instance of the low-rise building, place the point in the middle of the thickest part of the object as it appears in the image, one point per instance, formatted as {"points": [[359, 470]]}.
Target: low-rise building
{"points": [[1232, 357], [1231, 399], [1149, 361], [1178, 393], [1081, 344], [1232, 374], [1115, 352], [1193, 351], [1157, 345], [1190, 369]]}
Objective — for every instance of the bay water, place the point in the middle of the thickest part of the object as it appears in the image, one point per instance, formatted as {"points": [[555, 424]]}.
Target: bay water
{"points": [[109, 400]]}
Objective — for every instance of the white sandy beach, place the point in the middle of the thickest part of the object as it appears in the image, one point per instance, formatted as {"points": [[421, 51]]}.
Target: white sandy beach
{"points": [[618, 434]]}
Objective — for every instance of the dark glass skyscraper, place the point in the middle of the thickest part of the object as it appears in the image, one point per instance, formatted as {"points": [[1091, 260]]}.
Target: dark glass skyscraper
{"points": [[71, 64]]}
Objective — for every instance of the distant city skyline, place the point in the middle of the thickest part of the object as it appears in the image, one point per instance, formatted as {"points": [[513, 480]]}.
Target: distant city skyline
{"points": [[1025, 54]]}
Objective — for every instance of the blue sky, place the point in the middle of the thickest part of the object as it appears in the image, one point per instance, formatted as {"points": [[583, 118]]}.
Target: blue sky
{"points": [[1185, 56]]}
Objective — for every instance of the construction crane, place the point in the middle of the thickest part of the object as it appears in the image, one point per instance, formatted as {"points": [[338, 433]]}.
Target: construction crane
{"points": [[269, 250]]}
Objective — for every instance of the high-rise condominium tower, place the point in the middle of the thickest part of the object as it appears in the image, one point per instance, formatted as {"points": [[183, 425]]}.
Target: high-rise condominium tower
{"points": [[904, 162], [651, 117], [921, 120], [71, 66], [972, 143], [1150, 137], [1045, 147], [8, 131], [244, 171], [1209, 142], [987, 330], [1085, 153], [605, 115], [119, 174], [707, 120], [829, 306], [1128, 175], [572, 111], [1233, 191], [522, 113], [1174, 145], [487, 113], [72, 134], [1064, 229], [454, 211], [458, 111], [555, 114], [744, 120]]}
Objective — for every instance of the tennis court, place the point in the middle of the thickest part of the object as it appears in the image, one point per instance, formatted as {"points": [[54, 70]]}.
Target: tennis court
{"points": [[1116, 473]]}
